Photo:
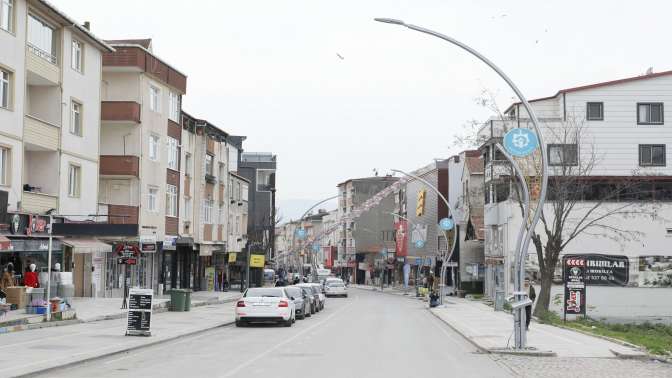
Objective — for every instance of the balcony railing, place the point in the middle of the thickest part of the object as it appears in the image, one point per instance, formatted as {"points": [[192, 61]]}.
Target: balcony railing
{"points": [[42, 54], [120, 111], [120, 165], [119, 214]]}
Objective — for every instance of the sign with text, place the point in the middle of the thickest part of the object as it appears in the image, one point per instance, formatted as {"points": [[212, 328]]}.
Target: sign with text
{"points": [[127, 254], [232, 257], [606, 270], [574, 273], [257, 261], [139, 312]]}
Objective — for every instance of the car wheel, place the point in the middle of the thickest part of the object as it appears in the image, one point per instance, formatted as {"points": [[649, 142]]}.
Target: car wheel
{"points": [[288, 323], [240, 323]]}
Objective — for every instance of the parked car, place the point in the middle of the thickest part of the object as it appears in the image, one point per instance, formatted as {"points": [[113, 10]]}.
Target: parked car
{"points": [[265, 304], [301, 301], [330, 279], [322, 298], [335, 288], [316, 294], [312, 300]]}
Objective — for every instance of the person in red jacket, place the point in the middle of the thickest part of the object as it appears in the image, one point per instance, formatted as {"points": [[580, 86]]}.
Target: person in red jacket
{"points": [[31, 279]]}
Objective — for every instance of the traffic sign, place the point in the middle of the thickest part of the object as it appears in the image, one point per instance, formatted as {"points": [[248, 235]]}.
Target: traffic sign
{"points": [[520, 142], [446, 224], [316, 248], [301, 233]]}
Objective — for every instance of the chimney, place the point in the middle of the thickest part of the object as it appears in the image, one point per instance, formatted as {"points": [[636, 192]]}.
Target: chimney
{"points": [[87, 25]]}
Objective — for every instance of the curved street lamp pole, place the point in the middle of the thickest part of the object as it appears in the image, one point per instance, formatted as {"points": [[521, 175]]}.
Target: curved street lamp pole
{"points": [[520, 295], [449, 253]]}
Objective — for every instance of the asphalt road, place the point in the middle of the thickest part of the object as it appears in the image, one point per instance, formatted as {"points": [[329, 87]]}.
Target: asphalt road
{"points": [[369, 334]]}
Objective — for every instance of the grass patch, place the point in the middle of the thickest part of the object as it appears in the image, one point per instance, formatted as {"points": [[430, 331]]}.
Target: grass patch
{"points": [[656, 338]]}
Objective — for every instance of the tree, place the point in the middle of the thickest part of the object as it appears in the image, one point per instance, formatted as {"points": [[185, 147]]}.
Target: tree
{"points": [[578, 203]]}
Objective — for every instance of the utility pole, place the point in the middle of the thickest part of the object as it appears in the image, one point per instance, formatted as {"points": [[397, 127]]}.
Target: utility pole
{"points": [[51, 240]]}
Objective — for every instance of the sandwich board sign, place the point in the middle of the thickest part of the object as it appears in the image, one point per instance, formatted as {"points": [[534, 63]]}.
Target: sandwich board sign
{"points": [[139, 312]]}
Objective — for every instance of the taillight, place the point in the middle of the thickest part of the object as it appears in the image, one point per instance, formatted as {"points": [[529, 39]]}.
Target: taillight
{"points": [[283, 304], [240, 304]]}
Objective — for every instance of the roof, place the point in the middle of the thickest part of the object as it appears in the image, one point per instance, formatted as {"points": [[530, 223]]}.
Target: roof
{"points": [[205, 123], [68, 20], [474, 164], [236, 175], [596, 85], [144, 42], [372, 178]]}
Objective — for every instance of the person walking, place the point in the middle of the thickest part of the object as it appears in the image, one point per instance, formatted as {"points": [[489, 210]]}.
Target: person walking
{"points": [[532, 294]]}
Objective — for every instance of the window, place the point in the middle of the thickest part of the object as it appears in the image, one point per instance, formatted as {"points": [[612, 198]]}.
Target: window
{"points": [[209, 162], [154, 147], [222, 214], [238, 225], [4, 89], [173, 154], [5, 165], [264, 180], [74, 177], [239, 193], [650, 113], [154, 99], [77, 55], [187, 164], [76, 118], [41, 39], [222, 173], [207, 211], [651, 155], [595, 111], [7, 15], [171, 200], [187, 210], [562, 154], [245, 193], [152, 198], [174, 106]]}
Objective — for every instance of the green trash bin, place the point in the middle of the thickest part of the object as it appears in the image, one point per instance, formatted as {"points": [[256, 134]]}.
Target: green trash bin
{"points": [[177, 300], [187, 299]]}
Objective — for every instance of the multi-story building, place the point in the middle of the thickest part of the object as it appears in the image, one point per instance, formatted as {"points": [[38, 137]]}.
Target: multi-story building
{"points": [[610, 139], [329, 240], [259, 168], [237, 224], [50, 75], [140, 174], [363, 239]]}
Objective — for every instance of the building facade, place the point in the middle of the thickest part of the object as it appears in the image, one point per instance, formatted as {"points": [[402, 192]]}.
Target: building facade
{"points": [[259, 168]]}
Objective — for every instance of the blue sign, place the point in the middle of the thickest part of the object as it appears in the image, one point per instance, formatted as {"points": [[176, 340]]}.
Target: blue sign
{"points": [[418, 261], [419, 243], [383, 252], [428, 262], [446, 224], [301, 233], [316, 248], [520, 142]]}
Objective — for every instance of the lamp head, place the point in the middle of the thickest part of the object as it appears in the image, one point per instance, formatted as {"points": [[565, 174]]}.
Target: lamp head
{"points": [[390, 21]]}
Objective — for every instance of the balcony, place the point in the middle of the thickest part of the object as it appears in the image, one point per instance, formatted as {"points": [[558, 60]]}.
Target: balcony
{"points": [[119, 214], [40, 133], [38, 203], [120, 165], [120, 111], [42, 67]]}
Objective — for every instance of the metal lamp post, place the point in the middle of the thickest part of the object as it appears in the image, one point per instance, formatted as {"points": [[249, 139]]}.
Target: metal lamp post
{"points": [[447, 256], [520, 295]]}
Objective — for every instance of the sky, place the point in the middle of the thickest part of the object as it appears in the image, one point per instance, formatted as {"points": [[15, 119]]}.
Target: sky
{"points": [[336, 95]]}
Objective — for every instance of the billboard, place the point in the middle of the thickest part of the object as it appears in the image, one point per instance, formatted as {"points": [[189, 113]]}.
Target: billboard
{"points": [[401, 238], [605, 270]]}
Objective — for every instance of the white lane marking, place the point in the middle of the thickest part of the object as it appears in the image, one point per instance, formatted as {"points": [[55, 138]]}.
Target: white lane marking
{"points": [[287, 341]]}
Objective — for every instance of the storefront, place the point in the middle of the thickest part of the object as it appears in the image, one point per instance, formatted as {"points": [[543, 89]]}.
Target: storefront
{"points": [[22, 252], [85, 257], [180, 266]]}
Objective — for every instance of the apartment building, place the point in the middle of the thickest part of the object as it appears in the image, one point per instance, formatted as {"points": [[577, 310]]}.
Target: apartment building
{"points": [[233, 262], [259, 169], [362, 239], [614, 132], [140, 172], [50, 75]]}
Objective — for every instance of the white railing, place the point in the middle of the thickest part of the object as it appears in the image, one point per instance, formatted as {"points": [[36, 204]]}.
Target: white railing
{"points": [[42, 54]]}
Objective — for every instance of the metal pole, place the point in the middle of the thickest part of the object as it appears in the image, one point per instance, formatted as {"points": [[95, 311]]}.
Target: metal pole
{"points": [[451, 214], [526, 105], [247, 274], [51, 227]]}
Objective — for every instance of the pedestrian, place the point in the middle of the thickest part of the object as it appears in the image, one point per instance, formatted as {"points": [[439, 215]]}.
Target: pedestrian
{"points": [[528, 309], [430, 282]]}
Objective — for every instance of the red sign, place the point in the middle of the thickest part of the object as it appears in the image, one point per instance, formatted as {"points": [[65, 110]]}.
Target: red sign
{"points": [[401, 228], [127, 254], [331, 253]]}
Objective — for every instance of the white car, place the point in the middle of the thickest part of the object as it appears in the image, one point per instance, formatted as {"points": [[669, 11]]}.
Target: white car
{"points": [[265, 304], [335, 288]]}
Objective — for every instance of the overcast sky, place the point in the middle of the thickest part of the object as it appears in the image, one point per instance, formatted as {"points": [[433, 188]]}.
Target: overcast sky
{"points": [[270, 70]]}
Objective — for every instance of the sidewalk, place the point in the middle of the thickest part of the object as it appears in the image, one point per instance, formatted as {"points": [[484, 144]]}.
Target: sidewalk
{"points": [[43, 349], [492, 331]]}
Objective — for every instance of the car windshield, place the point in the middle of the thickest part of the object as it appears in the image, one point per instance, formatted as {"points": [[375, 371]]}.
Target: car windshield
{"points": [[335, 284], [264, 292], [294, 292], [307, 290]]}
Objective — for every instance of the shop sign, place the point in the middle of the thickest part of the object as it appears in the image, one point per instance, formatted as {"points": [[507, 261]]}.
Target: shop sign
{"points": [[139, 312], [127, 254], [232, 257], [169, 242], [401, 248], [28, 224], [148, 243], [35, 245], [574, 274], [605, 270], [420, 206], [210, 278], [257, 261]]}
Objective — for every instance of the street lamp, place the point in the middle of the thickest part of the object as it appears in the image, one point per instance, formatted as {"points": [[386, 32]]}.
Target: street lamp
{"points": [[446, 257], [519, 329]]}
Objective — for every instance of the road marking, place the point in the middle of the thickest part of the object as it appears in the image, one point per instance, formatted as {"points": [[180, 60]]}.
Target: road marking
{"points": [[287, 341]]}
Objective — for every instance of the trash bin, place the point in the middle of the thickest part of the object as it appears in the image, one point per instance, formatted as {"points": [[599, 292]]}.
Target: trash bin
{"points": [[177, 300], [187, 299]]}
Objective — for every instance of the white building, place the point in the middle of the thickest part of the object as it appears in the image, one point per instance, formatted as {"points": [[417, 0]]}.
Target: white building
{"points": [[619, 128]]}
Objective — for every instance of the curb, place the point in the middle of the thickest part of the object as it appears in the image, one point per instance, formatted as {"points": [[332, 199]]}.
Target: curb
{"points": [[121, 351]]}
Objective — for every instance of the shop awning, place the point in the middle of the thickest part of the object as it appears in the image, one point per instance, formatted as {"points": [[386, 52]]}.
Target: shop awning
{"points": [[87, 245], [5, 244]]}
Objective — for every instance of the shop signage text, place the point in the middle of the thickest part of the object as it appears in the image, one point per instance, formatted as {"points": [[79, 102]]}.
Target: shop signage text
{"points": [[574, 273]]}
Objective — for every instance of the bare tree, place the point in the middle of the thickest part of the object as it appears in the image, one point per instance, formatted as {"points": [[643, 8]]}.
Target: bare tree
{"points": [[578, 202]]}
